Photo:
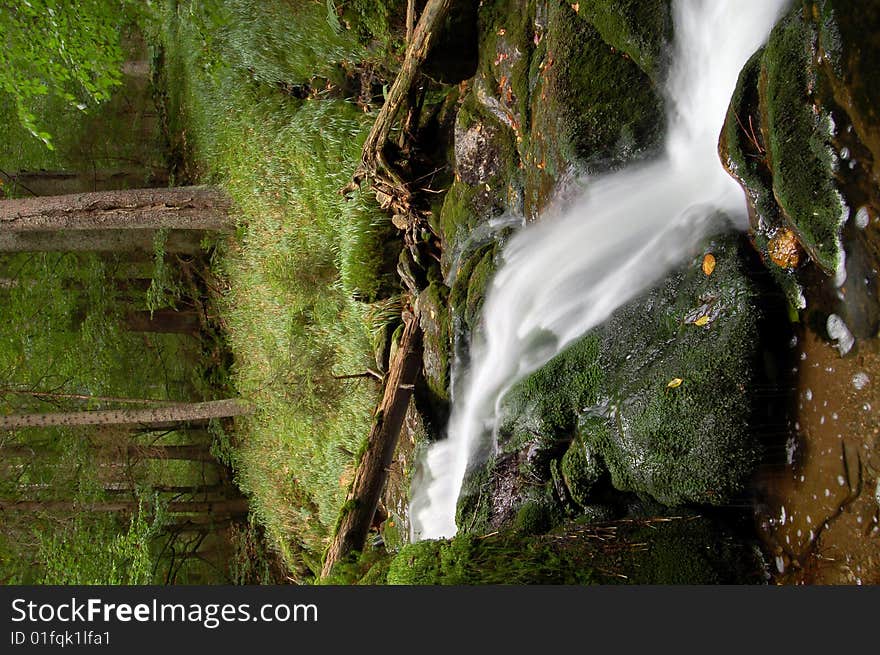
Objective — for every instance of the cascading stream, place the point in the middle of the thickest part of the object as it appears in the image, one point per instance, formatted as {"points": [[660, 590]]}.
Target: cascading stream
{"points": [[565, 274]]}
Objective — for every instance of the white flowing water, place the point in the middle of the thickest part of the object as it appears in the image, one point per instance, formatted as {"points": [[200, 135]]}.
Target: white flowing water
{"points": [[565, 274]]}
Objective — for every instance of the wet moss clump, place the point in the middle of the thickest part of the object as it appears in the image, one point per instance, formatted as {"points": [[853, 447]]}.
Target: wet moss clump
{"points": [[549, 400], [533, 518], [582, 468], [640, 28], [800, 131], [743, 154], [605, 109], [434, 320], [470, 288]]}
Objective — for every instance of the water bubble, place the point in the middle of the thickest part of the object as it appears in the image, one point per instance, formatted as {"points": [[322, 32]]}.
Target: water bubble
{"points": [[860, 380], [808, 394], [838, 331]]}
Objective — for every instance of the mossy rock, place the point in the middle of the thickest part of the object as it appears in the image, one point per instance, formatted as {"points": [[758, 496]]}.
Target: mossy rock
{"points": [[743, 154], [615, 390], [640, 28], [533, 518], [677, 405], [486, 174], [434, 321], [548, 401], [582, 469], [800, 131], [604, 108]]}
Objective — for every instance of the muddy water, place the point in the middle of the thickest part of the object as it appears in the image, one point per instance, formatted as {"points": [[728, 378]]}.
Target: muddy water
{"points": [[818, 506]]}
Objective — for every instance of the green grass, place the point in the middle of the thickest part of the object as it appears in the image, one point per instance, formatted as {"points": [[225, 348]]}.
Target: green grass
{"points": [[302, 260]]}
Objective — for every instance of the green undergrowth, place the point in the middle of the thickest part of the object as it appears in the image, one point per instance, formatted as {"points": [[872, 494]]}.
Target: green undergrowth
{"points": [[304, 264], [679, 551]]}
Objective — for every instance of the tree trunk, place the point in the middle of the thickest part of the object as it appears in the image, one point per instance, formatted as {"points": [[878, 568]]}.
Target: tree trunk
{"points": [[174, 412], [192, 208], [122, 488], [110, 241], [231, 507], [56, 183], [189, 452], [164, 321], [372, 472]]}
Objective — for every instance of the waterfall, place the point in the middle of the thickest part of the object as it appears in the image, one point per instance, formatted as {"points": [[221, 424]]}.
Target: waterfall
{"points": [[565, 274]]}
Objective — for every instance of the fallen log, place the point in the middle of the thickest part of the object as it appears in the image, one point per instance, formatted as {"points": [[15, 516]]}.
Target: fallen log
{"points": [[374, 164], [372, 472]]}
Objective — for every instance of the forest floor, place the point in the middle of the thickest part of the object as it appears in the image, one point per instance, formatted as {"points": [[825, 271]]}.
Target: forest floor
{"points": [[306, 288]]}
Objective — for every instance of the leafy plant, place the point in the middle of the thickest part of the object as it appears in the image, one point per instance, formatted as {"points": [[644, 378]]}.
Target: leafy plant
{"points": [[66, 49]]}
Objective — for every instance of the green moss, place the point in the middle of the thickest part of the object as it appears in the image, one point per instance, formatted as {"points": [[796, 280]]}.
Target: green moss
{"points": [[485, 171], [474, 508], [500, 559], [532, 518], [800, 130], [642, 29], [434, 319], [604, 109], [581, 469], [471, 283], [743, 153], [691, 442], [552, 397], [692, 551]]}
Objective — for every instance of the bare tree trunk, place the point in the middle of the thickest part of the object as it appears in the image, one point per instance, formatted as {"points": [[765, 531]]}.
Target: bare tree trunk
{"points": [[189, 452], [56, 183], [174, 412], [165, 321], [194, 208], [372, 472], [111, 241], [231, 507]]}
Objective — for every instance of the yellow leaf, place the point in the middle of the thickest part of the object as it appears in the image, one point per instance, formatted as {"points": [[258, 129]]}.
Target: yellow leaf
{"points": [[708, 263], [674, 383], [703, 320]]}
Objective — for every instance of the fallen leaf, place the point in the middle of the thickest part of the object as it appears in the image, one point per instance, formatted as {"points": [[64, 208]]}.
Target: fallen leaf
{"points": [[703, 320], [674, 383], [708, 264]]}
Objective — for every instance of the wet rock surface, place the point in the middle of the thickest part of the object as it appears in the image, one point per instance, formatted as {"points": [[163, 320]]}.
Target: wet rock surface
{"points": [[655, 402], [801, 137], [669, 403]]}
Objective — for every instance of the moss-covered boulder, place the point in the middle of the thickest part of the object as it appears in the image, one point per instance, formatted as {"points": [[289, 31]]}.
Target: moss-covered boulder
{"points": [[582, 468], [658, 397], [802, 137], [642, 29], [673, 418]]}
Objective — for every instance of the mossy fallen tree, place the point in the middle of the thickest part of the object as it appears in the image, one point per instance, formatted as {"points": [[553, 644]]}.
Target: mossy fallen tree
{"points": [[372, 473]]}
